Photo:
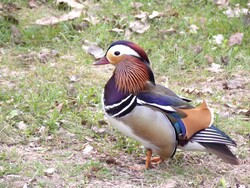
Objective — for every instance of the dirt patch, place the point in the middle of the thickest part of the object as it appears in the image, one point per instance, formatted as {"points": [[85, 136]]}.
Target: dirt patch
{"points": [[98, 169]]}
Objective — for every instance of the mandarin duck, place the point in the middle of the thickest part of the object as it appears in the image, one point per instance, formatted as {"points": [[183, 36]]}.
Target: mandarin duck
{"points": [[153, 114]]}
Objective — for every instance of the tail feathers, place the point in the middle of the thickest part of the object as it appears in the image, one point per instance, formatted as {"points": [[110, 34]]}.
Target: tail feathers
{"points": [[216, 141], [221, 151], [213, 135]]}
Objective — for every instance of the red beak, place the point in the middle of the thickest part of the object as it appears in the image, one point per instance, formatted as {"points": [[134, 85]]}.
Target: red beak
{"points": [[102, 61]]}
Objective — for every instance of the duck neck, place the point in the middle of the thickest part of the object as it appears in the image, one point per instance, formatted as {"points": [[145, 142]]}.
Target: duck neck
{"points": [[132, 75]]}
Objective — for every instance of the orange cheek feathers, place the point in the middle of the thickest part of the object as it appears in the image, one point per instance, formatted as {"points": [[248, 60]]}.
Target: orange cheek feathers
{"points": [[114, 59]]}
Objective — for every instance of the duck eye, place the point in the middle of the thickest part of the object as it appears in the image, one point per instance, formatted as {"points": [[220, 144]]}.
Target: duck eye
{"points": [[117, 53]]}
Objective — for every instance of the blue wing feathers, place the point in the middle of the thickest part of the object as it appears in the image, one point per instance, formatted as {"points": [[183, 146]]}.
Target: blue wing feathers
{"points": [[165, 103], [163, 100], [180, 128]]}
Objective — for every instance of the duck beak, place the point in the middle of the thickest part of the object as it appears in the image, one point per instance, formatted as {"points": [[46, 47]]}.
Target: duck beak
{"points": [[102, 61]]}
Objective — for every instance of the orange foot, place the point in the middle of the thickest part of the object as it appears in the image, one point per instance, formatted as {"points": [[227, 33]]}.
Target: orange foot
{"points": [[152, 160], [156, 160]]}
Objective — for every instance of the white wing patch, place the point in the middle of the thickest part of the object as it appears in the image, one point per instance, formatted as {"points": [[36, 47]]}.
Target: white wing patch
{"points": [[165, 108]]}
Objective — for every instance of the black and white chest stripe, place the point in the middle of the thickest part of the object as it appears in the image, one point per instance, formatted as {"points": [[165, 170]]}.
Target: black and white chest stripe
{"points": [[122, 107]]}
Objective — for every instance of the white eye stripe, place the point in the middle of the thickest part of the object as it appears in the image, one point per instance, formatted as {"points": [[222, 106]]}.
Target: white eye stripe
{"points": [[123, 50]]}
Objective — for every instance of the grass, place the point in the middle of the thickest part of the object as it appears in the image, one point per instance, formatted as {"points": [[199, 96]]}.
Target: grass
{"points": [[33, 89]]}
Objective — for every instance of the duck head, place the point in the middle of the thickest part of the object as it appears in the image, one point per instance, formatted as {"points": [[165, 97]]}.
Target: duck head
{"points": [[121, 48], [132, 73]]}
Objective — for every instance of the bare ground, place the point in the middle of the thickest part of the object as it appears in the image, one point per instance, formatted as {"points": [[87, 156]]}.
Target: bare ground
{"points": [[194, 169]]}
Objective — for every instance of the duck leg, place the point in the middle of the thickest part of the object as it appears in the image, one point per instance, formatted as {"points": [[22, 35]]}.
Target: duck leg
{"points": [[148, 159]]}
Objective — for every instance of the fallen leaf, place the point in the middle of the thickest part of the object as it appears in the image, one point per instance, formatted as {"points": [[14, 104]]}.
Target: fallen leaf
{"points": [[21, 125], [128, 34], [197, 49], [59, 107], [98, 130], [139, 26], [193, 29], [235, 39], [51, 137], [10, 7], [74, 78], [229, 12], [245, 11], [155, 14], [71, 3], [117, 30], [89, 138], [218, 39], [221, 3], [81, 26], [182, 32], [235, 12], [234, 84], [136, 5], [45, 55], [215, 68], [244, 112], [141, 16], [92, 19], [48, 21], [169, 31], [205, 91], [94, 50], [32, 4], [49, 171], [181, 60], [54, 20], [42, 130], [87, 150]]}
